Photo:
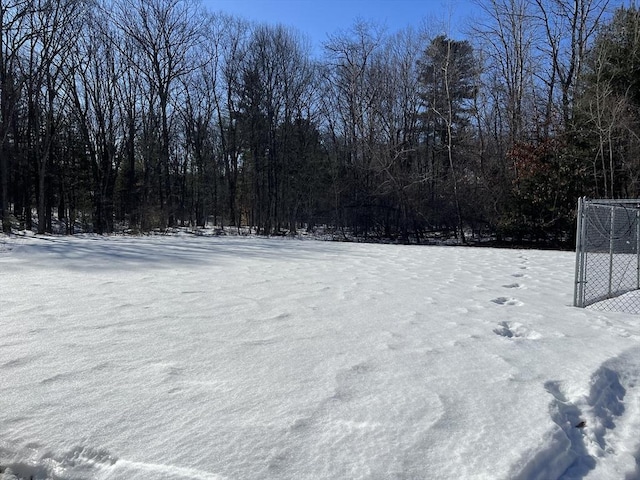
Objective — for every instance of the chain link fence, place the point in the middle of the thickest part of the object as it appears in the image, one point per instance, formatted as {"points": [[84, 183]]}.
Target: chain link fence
{"points": [[608, 255]]}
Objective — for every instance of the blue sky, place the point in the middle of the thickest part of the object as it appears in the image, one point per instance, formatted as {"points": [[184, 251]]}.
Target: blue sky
{"points": [[317, 18]]}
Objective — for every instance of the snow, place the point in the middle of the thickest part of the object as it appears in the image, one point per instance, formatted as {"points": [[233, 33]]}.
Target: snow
{"points": [[187, 357]]}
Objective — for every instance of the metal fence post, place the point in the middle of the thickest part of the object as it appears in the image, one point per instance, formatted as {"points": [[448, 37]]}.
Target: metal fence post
{"points": [[638, 249], [611, 248], [578, 291]]}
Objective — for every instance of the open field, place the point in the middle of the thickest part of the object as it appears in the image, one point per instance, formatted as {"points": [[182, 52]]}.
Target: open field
{"points": [[184, 357]]}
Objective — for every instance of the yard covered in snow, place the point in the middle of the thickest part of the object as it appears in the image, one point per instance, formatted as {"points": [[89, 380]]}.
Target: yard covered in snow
{"points": [[188, 357]]}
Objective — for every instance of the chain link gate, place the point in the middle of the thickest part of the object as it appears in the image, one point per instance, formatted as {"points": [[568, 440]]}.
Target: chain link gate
{"points": [[608, 255]]}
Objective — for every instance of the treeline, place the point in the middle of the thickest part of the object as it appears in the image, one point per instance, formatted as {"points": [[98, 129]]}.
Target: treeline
{"points": [[144, 114]]}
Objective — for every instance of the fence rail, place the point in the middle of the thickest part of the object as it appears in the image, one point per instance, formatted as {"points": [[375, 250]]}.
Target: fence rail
{"points": [[608, 255]]}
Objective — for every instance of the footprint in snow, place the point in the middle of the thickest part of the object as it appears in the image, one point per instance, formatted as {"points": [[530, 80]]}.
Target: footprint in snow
{"points": [[504, 330], [516, 330], [507, 301]]}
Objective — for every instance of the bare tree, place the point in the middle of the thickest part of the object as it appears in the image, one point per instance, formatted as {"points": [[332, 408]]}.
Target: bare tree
{"points": [[397, 159], [506, 35], [231, 38], [95, 89], [56, 26], [166, 32], [14, 34], [275, 76], [569, 27], [608, 105], [199, 113], [350, 56]]}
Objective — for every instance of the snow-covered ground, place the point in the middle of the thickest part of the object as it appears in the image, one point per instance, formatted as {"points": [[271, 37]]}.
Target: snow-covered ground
{"points": [[240, 358]]}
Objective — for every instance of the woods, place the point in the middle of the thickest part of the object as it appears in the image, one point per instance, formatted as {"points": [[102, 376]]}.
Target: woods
{"points": [[133, 115]]}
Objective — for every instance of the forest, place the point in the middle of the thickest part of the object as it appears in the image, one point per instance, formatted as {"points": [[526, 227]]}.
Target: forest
{"points": [[139, 115]]}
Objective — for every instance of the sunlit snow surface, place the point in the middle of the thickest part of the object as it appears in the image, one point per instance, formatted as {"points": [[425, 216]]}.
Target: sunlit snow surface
{"points": [[209, 358]]}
